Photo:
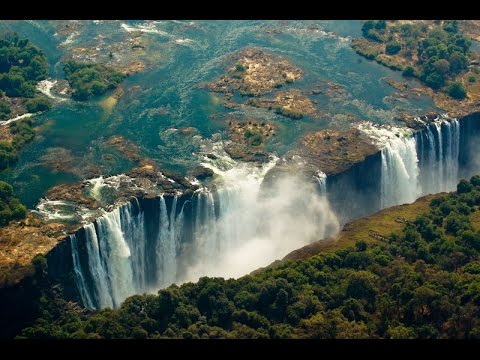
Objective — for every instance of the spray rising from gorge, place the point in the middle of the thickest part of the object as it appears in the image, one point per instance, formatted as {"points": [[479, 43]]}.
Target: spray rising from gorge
{"points": [[227, 230]]}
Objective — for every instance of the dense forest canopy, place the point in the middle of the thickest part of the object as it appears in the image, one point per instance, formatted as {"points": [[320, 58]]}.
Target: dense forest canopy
{"points": [[22, 65]]}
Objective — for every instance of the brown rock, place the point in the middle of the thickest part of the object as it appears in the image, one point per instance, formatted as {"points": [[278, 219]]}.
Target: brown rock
{"points": [[126, 147], [201, 172]]}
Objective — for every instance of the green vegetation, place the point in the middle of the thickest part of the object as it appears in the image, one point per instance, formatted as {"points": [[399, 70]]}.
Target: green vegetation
{"points": [[289, 112], [392, 48], [22, 65], [10, 207], [436, 55], [239, 71], [421, 283], [39, 103], [409, 71], [4, 109], [442, 55], [89, 80], [254, 138], [374, 30], [457, 91], [240, 68], [22, 133]]}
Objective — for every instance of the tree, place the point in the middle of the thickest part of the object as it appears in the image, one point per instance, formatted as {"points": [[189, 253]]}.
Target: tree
{"points": [[392, 48], [21, 66], [361, 245], [464, 186], [450, 26], [6, 190], [458, 62], [400, 332], [435, 80], [361, 285], [381, 25], [90, 79], [4, 109], [475, 180], [10, 207], [316, 327], [442, 66], [408, 71], [367, 26], [40, 103], [457, 91]]}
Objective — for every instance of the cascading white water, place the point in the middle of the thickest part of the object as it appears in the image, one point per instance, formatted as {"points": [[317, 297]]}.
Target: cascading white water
{"points": [[116, 257], [416, 165], [169, 235], [399, 183], [240, 228], [234, 230], [97, 268], [79, 278], [399, 171], [439, 164], [321, 178]]}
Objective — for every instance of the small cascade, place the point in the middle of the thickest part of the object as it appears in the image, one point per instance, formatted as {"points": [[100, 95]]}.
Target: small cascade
{"points": [[399, 169], [79, 278], [170, 228], [321, 178], [98, 268], [399, 183], [416, 164]]}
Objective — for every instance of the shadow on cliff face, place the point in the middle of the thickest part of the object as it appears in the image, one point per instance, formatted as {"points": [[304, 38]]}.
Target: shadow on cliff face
{"points": [[470, 146], [474, 151]]}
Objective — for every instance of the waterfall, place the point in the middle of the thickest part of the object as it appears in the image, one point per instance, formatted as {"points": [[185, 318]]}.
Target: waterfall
{"points": [[399, 183], [440, 144], [116, 257], [97, 268], [416, 164], [237, 228], [321, 178], [169, 233], [227, 230], [79, 278]]}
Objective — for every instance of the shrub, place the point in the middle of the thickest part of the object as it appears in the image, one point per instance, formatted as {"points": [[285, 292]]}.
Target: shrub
{"points": [[40, 103], [408, 71], [89, 80], [392, 48], [457, 91]]}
